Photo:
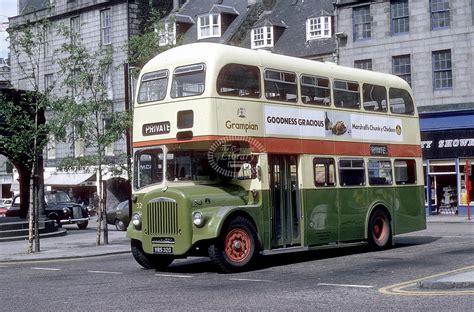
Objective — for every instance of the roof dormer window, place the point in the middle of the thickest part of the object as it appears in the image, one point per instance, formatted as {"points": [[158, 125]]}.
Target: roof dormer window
{"points": [[209, 26], [262, 37], [318, 27], [167, 34]]}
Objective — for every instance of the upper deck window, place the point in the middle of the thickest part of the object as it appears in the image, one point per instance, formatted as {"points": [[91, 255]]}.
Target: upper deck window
{"points": [[401, 102], [188, 80], [153, 86], [315, 90], [375, 97], [346, 94], [280, 86], [239, 80]]}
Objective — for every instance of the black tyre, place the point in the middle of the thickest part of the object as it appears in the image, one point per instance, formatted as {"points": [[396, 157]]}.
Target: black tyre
{"points": [[83, 225], [380, 231], [120, 225], [237, 247], [147, 261]]}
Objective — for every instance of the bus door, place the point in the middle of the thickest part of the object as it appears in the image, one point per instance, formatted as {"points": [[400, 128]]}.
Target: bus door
{"points": [[285, 203]]}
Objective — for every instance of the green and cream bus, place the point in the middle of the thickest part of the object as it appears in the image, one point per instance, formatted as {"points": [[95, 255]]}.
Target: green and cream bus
{"points": [[241, 153]]}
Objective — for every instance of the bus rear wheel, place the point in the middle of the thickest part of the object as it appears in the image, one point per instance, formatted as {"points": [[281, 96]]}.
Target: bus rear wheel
{"points": [[147, 261], [380, 232], [236, 249]]}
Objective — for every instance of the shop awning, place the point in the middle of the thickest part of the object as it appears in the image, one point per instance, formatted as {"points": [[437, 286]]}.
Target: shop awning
{"points": [[448, 121], [71, 179]]}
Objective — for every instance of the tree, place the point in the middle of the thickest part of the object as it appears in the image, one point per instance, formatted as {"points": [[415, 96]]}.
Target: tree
{"points": [[27, 44], [87, 118]]}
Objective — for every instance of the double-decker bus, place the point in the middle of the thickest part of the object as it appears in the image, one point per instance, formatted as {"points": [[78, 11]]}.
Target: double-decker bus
{"points": [[241, 153]]}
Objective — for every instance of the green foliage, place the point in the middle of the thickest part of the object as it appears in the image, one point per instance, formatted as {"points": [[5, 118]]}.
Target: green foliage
{"points": [[145, 46], [87, 113]]}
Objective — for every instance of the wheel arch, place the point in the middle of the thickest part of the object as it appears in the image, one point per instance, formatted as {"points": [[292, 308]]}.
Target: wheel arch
{"points": [[233, 214], [377, 206]]}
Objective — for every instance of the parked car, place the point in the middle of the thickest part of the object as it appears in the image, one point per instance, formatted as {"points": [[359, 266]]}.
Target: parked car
{"points": [[119, 216], [59, 207], [5, 203], [14, 209]]}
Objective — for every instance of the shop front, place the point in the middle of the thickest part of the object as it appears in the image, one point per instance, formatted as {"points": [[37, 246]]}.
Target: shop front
{"points": [[447, 143]]}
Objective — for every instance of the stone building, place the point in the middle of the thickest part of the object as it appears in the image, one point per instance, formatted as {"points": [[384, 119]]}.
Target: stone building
{"points": [[97, 22], [429, 44]]}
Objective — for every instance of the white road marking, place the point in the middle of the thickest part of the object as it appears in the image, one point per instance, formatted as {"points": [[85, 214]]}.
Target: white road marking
{"points": [[249, 280], [46, 269], [3, 266], [345, 285], [105, 272], [172, 275]]}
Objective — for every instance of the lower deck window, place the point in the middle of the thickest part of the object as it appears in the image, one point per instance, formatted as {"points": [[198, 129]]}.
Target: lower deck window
{"points": [[351, 172], [405, 171], [380, 172], [324, 172]]}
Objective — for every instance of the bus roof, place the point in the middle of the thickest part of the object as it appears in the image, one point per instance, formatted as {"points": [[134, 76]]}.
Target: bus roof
{"points": [[214, 54]]}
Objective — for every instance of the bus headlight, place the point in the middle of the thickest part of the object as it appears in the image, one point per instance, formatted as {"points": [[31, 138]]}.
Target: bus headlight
{"points": [[198, 219], [137, 221]]}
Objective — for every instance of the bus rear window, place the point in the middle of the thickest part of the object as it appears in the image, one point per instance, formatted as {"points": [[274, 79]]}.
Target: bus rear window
{"points": [[374, 97], [351, 172], [188, 80], [239, 80], [346, 94], [401, 102], [153, 86], [280, 86], [315, 90]]}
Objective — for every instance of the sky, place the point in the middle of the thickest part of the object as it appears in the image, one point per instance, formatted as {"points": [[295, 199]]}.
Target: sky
{"points": [[8, 8]]}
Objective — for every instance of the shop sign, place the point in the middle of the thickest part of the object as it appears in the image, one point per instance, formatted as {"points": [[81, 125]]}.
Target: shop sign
{"points": [[454, 143]]}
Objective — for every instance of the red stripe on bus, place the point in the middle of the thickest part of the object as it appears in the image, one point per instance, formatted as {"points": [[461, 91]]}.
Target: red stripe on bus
{"points": [[304, 146]]}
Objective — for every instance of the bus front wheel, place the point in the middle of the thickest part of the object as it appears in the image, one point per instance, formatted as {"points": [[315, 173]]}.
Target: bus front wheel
{"points": [[380, 233], [147, 261], [236, 249]]}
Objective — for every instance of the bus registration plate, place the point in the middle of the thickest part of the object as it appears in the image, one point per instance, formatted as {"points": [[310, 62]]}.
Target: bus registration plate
{"points": [[162, 250]]}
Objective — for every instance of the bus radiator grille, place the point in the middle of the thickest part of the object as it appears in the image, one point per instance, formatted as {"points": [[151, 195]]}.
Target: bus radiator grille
{"points": [[162, 218]]}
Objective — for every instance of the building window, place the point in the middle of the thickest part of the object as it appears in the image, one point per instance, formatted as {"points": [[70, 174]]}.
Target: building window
{"points": [[442, 70], [167, 34], [362, 22], [401, 66], [209, 26], [318, 27], [399, 15], [75, 25], [439, 13], [48, 82], [262, 37], [48, 36], [363, 64], [105, 27]]}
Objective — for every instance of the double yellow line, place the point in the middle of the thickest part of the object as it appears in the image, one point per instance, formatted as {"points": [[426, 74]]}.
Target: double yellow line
{"points": [[399, 289]]}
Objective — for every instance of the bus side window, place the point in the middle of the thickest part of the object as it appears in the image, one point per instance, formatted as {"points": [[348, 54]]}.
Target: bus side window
{"points": [[380, 172], [239, 80], [315, 90], [405, 171], [324, 172], [401, 102], [346, 94], [351, 172], [374, 97], [280, 86]]}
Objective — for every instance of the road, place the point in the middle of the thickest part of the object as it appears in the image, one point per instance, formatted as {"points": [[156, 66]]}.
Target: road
{"points": [[352, 279]]}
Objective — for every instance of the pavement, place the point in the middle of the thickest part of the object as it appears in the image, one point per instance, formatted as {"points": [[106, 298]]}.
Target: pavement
{"points": [[74, 243]]}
